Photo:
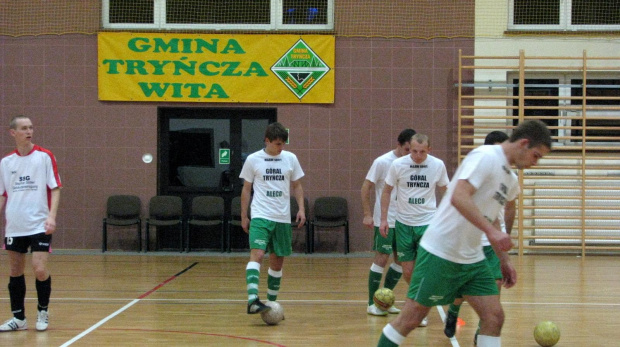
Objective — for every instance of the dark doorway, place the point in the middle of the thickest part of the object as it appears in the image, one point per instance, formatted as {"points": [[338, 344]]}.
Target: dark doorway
{"points": [[201, 152]]}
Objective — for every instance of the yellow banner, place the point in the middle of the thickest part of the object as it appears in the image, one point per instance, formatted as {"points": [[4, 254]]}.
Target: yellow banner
{"points": [[216, 68]]}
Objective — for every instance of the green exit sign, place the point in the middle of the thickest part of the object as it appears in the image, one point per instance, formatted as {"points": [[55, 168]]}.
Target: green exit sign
{"points": [[224, 156]]}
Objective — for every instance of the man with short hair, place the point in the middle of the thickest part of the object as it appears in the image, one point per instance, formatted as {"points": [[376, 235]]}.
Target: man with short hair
{"points": [[383, 246], [414, 178], [30, 187], [505, 225], [272, 172], [450, 260]]}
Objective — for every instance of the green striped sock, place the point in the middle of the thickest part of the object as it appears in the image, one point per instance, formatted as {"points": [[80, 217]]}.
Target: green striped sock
{"points": [[273, 284], [252, 275]]}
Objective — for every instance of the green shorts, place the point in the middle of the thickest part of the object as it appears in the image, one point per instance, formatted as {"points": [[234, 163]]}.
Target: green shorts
{"points": [[437, 281], [493, 261], [384, 245], [407, 240], [270, 236]]}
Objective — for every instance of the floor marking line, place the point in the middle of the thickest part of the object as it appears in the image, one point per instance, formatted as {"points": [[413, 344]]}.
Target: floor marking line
{"points": [[506, 303], [133, 302], [98, 324]]}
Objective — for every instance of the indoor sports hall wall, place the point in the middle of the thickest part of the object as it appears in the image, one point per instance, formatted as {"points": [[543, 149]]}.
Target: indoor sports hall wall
{"points": [[386, 80]]}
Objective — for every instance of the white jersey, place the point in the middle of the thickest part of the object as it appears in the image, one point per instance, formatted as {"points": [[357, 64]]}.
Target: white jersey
{"points": [[26, 182], [376, 175], [271, 177], [450, 236], [415, 188]]}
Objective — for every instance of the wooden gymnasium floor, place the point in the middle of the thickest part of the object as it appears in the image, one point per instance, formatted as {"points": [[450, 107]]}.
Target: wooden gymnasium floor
{"points": [[199, 299]]}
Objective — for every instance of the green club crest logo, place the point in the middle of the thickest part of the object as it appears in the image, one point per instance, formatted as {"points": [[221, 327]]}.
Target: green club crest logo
{"points": [[300, 69]]}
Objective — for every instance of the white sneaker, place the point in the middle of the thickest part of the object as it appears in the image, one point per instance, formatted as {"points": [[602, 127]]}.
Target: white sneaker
{"points": [[424, 322], [393, 310], [375, 311], [14, 324], [42, 320]]}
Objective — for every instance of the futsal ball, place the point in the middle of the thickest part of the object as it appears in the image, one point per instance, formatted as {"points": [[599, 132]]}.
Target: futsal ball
{"points": [[546, 334], [384, 298], [273, 316]]}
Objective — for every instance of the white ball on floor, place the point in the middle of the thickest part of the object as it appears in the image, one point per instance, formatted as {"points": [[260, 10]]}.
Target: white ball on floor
{"points": [[273, 316]]}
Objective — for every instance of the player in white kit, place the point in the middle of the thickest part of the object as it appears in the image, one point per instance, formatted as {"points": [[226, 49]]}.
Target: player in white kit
{"points": [[383, 246], [272, 173], [415, 178], [30, 187], [450, 260]]}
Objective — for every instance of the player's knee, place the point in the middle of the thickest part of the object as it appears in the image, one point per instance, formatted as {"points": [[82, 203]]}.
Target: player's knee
{"points": [[40, 272], [381, 259], [494, 319]]}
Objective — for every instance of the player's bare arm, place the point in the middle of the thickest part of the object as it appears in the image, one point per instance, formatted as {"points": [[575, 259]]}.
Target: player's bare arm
{"points": [[245, 203], [298, 193], [509, 215], [462, 200], [367, 187], [385, 205], [50, 222]]}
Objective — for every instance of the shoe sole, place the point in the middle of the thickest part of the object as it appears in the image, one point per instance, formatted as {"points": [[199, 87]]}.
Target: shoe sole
{"points": [[260, 310]]}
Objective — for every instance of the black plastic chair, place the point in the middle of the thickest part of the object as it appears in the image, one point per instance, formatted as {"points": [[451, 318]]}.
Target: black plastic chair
{"points": [[294, 210], [330, 212], [235, 218], [206, 211], [122, 210], [165, 211]]}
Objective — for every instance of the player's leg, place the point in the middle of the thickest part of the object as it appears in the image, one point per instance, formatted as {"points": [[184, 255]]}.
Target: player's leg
{"points": [[411, 315], [374, 282], [491, 316], [40, 254], [259, 236], [418, 232], [395, 272], [16, 250], [433, 278], [496, 270], [405, 246], [280, 246], [452, 317], [382, 247], [481, 292]]}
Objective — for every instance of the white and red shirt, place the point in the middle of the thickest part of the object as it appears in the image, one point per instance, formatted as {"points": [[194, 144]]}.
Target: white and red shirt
{"points": [[27, 182]]}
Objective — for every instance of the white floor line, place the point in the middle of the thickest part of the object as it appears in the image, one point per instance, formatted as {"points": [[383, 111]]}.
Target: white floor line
{"points": [[442, 314], [504, 303], [87, 331]]}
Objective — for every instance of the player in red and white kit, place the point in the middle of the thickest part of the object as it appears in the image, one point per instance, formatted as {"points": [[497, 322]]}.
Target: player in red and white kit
{"points": [[30, 187]]}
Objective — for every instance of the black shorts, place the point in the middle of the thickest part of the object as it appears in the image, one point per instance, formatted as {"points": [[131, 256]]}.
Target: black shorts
{"points": [[37, 243]]}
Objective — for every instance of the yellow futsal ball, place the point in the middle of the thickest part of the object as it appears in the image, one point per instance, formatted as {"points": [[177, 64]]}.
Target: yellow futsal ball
{"points": [[547, 334], [384, 298]]}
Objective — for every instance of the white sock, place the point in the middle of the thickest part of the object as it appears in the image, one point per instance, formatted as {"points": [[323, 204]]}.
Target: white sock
{"points": [[253, 265], [489, 341], [376, 268], [393, 335]]}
